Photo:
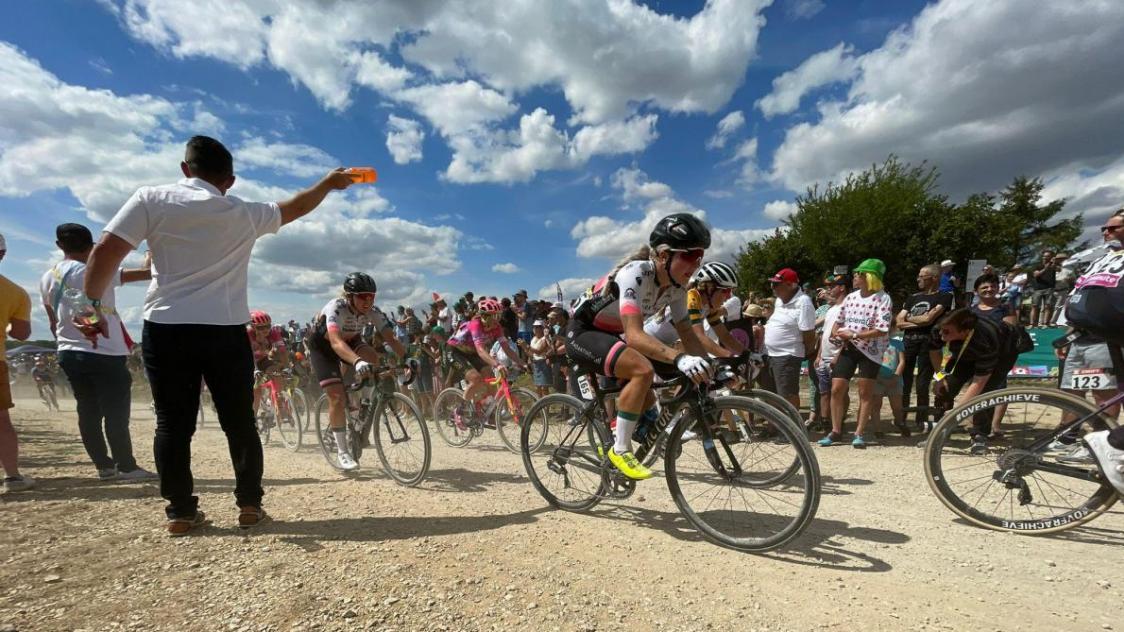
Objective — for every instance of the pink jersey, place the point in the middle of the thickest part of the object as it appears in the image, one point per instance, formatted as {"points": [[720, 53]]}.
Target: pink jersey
{"points": [[472, 333], [261, 348]]}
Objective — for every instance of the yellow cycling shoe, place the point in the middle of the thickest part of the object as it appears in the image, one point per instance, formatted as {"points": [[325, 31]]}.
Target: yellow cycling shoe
{"points": [[629, 466]]}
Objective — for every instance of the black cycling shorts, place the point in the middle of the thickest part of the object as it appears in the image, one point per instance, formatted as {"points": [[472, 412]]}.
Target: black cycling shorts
{"points": [[467, 361], [326, 364], [597, 351], [852, 360]]}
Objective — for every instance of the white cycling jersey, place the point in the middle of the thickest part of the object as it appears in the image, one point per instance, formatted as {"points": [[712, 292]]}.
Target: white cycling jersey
{"points": [[633, 290]]}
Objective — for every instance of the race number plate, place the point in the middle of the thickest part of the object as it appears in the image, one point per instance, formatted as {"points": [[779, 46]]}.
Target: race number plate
{"points": [[585, 387], [1091, 380]]}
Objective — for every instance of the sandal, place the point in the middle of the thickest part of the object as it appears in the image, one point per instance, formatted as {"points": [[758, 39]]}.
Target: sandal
{"points": [[179, 527], [251, 516]]}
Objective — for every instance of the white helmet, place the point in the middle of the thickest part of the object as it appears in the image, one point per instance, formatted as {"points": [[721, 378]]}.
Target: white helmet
{"points": [[721, 274]]}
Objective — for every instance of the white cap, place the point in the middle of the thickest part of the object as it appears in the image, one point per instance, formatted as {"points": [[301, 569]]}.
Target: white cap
{"points": [[539, 323], [946, 263]]}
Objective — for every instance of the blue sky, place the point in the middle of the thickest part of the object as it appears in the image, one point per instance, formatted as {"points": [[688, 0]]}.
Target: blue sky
{"points": [[524, 143]]}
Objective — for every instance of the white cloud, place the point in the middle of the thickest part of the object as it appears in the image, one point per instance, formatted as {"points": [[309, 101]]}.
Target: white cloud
{"points": [[727, 127], [635, 184], [457, 108], [718, 194], [299, 160], [803, 9], [404, 139], [747, 155], [231, 31], [982, 100], [779, 209], [571, 288], [505, 268], [1096, 194], [835, 65], [548, 223]]}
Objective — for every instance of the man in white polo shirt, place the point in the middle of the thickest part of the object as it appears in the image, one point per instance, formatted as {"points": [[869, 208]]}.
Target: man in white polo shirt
{"points": [[196, 311], [789, 334]]}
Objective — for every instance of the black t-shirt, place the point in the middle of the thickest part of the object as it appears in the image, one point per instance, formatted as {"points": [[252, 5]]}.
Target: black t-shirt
{"points": [[920, 304], [510, 323], [1046, 280], [992, 343]]}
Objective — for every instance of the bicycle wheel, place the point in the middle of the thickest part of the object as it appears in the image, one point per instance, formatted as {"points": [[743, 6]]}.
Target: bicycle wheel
{"points": [[288, 423], [301, 411], [509, 419], [1018, 483], [265, 419], [448, 408], [324, 434], [402, 440], [717, 482], [567, 468], [776, 401]]}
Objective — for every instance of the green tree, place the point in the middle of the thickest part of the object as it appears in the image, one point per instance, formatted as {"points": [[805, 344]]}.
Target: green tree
{"points": [[1021, 205]]}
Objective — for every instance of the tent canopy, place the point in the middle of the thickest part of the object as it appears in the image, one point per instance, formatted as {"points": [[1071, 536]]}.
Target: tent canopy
{"points": [[29, 349]]}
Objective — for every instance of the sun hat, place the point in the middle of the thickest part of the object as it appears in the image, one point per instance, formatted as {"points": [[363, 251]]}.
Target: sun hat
{"points": [[873, 266], [753, 310], [947, 263]]}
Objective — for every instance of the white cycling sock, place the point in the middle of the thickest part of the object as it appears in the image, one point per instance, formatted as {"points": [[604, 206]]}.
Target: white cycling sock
{"points": [[626, 423], [341, 440]]}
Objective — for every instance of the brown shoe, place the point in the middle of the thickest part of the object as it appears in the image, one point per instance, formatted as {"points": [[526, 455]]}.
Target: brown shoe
{"points": [[251, 516], [178, 527]]}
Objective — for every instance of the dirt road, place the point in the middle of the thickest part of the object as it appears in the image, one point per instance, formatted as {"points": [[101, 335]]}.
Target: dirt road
{"points": [[476, 548]]}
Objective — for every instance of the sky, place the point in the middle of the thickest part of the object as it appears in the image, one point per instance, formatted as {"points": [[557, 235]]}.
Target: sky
{"points": [[526, 144]]}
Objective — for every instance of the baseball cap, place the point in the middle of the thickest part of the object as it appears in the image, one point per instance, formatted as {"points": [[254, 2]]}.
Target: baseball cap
{"points": [[538, 323], [785, 275], [835, 279], [946, 263]]}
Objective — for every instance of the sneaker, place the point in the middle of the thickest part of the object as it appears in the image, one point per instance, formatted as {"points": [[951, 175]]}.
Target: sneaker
{"points": [[1064, 445], [979, 445], [139, 474], [1108, 458], [858, 442], [629, 466], [250, 516], [18, 483], [179, 527], [347, 463], [1077, 455], [107, 474], [830, 439]]}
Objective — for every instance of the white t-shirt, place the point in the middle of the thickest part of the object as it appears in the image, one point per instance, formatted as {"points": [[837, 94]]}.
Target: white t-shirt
{"points": [[872, 312], [828, 349], [733, 307], [70, 274], [200, 242], [445, 319], [783, 331]]}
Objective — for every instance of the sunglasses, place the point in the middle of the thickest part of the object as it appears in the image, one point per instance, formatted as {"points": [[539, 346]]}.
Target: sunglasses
{"points": [[366, 296], [1109, 228], [691, 256]]}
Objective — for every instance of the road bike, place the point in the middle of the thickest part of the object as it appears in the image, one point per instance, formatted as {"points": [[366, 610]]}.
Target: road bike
{"points": [[459, 421], [1033, 480], [738, 490], [285, 409], [386, 418], [47, 394]]}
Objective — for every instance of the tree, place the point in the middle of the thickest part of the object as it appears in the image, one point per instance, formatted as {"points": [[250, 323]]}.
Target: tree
{"points": [[1019, 204]]}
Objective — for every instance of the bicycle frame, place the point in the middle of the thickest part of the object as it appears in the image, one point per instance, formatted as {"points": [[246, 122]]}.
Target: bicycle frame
{"points": [[503, 390]]}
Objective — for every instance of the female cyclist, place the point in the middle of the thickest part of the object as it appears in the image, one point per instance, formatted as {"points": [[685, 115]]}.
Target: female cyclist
{"points": [[470, 348], [268, 344], [614, 310]]}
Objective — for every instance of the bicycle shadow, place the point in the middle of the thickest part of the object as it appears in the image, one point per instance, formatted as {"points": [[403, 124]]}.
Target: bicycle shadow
{"points": [[835, 486], [462, 480]]}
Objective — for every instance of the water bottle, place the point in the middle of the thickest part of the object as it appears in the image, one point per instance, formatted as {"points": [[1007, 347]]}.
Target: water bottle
{"points": [[80, 307], [362, 175]]}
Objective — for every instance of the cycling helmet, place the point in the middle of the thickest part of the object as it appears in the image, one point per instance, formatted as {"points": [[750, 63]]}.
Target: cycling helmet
{"points": [[680, 231], [259, 318], [359, 282], [488, 306], [721, 274]]}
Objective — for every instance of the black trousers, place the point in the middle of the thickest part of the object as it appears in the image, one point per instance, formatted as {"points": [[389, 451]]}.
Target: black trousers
{"points": [[177, 359], [917, 357], [981, 421], [102, 389]]}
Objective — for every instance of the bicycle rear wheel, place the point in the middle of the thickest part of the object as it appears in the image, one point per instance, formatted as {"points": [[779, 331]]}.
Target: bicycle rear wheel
{"points": [[1015, 484], [717, 479], [509, 420], [402, 439], [288, 423], [566, 467], [324, 436], [450, 406]]}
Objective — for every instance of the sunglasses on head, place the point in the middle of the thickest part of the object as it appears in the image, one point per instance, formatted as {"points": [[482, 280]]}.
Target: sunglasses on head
{"points": [[366, 296]]}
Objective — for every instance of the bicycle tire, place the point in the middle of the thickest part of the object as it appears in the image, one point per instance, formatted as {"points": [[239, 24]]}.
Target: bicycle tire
{"points": [[705, 520], [776, 401], [523, 399], [324, 435], [302, 413], [288, 424], [940, 443], [380, 434], [443, 409], [263, 430], [559, 461]]}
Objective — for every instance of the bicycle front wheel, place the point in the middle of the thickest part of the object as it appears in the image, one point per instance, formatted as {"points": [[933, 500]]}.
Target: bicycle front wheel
{"points": [[402, 440], [450, 411], [720, 478], [1036, 479], [567, 467], [322, 425], [509, 419], [288, 423]]}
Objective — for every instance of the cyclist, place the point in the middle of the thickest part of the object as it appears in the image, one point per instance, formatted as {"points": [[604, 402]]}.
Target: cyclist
{"points": [[1097, 306], [268, 345], [707, 294], [470, 348], [642, 285], [43, 377], [336, 339]]}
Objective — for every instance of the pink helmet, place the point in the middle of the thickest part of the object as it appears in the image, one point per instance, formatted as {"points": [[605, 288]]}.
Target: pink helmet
{"points": [[259, 318], [488, 306]]}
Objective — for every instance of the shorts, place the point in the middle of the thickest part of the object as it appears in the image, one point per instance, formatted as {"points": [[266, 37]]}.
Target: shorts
{"points": [[1042, 298], [596, 351], [543, 375], [326, 365], [786, 374], [5, 388], [822, 378], [852, 360], [467, 361], [1085, 356], [888, 385]]}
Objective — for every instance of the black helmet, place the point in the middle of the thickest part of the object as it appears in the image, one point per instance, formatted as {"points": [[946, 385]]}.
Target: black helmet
{"points": [[359, 282], [680, 231]]}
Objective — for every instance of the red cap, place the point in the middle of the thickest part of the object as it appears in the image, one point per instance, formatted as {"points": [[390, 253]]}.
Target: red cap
{"points": [[787, 275]]}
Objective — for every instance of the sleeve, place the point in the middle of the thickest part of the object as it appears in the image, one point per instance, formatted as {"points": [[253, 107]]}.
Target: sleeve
{"points": [[678, 309], [628, 281], [265, 217], [476, 333], [45, 289], [21, 308], [694, 307], [132, 221], [331, 315], [885, 314], [807, 318]]}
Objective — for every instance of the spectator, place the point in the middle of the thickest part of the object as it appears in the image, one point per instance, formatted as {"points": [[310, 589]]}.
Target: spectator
{"points": [[402, 326], [888, 385], [196, 312], [989, 305], [789, 335], [829, 346], [1064, 278], [443, 313], [949, 283], [524, 311], [916, 320], [421, 352], [96, 368], [1042, 280], [541, 352], [557, 322], [15, 319], [508, 320], [413, 324], [756, 316], [863, 325], [459, 316], [1014, 284]]}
